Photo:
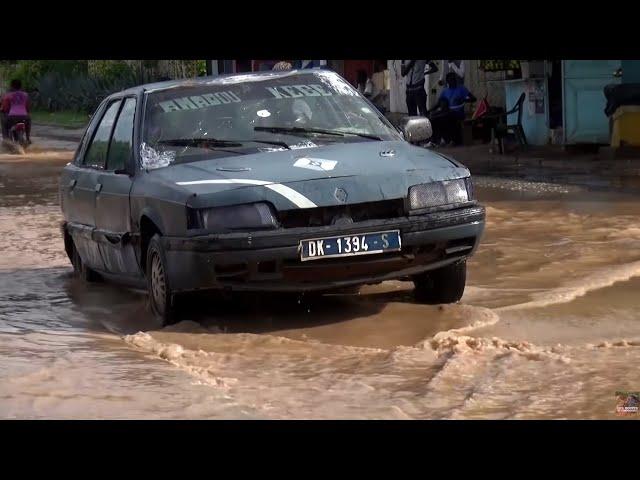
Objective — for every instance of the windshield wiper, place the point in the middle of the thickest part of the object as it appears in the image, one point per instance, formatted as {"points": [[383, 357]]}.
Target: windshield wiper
{"points": [[214, 142], [339, 133]]}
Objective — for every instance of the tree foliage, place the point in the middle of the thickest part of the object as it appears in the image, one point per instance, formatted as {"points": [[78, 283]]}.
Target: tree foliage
{"points": [[80, 85], [109, 69], [29, 72], [82, 92]]}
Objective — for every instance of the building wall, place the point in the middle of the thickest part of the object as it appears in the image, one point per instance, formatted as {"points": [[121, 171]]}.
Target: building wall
{"points": [[630, 71], [482, 83], [397, 101], [351, 68], [337, 66]]}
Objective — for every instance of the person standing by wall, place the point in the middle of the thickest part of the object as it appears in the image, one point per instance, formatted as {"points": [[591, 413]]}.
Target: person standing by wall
{"points": [[415, 71]]}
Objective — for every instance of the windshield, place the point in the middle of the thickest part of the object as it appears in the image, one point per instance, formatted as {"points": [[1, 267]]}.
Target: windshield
{"points": [[240, 116]]}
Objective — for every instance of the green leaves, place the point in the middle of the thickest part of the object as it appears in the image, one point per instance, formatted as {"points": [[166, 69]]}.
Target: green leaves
{"points": [[80, 85], [31, 71], [80, 92]]}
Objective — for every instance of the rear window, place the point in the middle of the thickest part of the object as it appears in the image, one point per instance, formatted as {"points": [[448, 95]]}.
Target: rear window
{"points": [[96, 155]]}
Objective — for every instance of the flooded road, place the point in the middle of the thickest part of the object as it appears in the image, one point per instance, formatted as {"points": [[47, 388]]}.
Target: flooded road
{"points": [[548, 326]]}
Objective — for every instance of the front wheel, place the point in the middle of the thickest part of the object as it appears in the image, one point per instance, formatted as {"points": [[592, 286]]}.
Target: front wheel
{"points": [[444, 285], [161, 298]]}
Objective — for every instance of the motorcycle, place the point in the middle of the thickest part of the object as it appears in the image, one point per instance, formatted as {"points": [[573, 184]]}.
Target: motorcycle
{"points": [[18, 134]]}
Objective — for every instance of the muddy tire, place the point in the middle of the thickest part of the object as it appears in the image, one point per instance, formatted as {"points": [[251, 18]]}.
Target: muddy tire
{"points": [[444, 285], [161, 298], [80, 269]]}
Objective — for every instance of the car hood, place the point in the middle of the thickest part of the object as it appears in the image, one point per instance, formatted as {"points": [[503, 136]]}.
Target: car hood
{"points": [[319, 176]]}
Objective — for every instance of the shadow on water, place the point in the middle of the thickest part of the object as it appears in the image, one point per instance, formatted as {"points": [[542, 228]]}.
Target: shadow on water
{"points": [[271, 312], [54, 299]]}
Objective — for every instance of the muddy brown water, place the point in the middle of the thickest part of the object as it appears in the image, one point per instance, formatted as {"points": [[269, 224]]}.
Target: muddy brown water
{"points": [[548, 326]]}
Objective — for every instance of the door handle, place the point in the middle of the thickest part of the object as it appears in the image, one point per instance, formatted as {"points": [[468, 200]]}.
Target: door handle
{"points": [[114, 239], [98, 187], [618, 73]]}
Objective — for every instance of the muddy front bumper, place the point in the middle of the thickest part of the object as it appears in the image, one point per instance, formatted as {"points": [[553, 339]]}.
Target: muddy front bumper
{"points": [[270, 260]]}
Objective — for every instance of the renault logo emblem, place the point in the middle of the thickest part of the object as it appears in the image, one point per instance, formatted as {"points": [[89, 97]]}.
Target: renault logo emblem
{"points": [[341, 220], [340, 194]]}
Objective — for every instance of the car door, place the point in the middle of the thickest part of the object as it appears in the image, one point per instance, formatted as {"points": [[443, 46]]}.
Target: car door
{"points": [[69, 203], [113, 213], [83, 187]]}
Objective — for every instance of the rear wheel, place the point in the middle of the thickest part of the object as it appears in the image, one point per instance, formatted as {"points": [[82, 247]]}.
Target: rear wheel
{"points": [[80, 269], [444, 285], [161, 299], [20, 139]]}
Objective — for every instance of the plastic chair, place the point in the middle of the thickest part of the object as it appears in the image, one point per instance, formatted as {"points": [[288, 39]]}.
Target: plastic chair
{"points": [[501, 129]]}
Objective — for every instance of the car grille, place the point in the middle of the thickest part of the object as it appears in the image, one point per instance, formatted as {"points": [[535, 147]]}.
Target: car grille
{"points": [[359, 212]]}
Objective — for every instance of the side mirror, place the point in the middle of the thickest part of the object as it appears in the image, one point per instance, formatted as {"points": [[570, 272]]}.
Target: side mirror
{"points": [[417, 129]]}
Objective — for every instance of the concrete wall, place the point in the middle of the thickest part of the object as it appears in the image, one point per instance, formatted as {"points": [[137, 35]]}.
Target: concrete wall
{"points": [[397, 101], [482, 83]]}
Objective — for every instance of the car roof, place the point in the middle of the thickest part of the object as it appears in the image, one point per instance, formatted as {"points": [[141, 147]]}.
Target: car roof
{"points": [[229, 78]]}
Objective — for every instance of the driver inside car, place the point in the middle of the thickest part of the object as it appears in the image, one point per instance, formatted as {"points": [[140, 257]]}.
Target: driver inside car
{"points": [[301, 111]]}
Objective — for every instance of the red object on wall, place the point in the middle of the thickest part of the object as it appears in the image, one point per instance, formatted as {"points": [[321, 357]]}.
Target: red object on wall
{"points": [[483, 108]]}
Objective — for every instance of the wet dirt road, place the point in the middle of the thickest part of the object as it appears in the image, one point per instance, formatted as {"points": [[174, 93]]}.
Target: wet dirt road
{"points": [[548, 326]]}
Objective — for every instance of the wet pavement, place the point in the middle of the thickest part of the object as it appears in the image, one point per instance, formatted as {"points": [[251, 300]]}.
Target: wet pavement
{"points": [[585, 165], [548, 326]]}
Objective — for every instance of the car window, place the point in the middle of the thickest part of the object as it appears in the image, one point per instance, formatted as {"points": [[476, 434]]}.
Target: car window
{"points": [[86, 136], [120, 148], [97, 152]]}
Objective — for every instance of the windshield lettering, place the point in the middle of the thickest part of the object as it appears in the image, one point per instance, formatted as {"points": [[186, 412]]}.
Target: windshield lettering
{"points": [[296, 91], [195, 102]]}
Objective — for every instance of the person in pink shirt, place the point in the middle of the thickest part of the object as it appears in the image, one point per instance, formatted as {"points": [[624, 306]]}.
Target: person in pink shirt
{"points": [[16, 107]]}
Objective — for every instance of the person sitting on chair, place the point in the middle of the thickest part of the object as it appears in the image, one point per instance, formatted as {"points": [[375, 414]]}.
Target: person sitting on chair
{"points": [[448, 113]]}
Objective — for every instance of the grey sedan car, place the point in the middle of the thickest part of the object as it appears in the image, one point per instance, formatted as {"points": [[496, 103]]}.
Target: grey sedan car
{"points": [[271, 181]]}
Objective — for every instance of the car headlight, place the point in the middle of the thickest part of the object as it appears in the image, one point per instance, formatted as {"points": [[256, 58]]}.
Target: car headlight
{"points": [[247, 217], [435, 194]]}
